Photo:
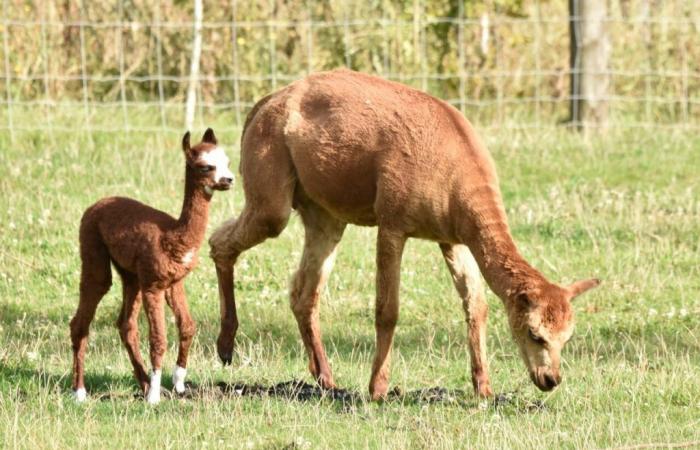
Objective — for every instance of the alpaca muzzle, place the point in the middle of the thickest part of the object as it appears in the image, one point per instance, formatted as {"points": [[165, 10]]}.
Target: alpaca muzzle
{"points": [[545, 380], [224, 184]]}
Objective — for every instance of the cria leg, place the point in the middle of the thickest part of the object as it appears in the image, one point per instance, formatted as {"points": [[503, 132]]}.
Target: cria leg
{"points": [[95, 281], [467, 281], [153, 301], [322, 234], [389, 250], [129, 328], [177, 301]]}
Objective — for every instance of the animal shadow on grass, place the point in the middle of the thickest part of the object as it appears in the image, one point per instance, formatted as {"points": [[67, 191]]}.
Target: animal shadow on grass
{"points": [[301, 391], [101, 386], [23, 380]]}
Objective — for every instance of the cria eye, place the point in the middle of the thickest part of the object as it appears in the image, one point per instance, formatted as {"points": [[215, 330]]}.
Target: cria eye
{"points": [[534, 337]]}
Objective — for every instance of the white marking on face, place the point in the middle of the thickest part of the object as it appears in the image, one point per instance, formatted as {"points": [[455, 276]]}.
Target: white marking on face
{"points": [[153, 396], [217, 158], [80, 395], [179, 379], [188, 257]]}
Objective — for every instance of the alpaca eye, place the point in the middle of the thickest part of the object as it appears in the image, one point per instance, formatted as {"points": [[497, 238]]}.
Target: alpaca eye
{"points": [[535, 338], [205, 169]]}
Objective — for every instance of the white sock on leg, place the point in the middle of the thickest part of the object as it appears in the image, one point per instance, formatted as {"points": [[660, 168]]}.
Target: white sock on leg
{"points": [[80, 395], [179, 379], [153, 396]]}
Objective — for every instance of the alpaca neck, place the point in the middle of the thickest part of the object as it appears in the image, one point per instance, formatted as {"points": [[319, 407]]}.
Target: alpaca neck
{"points": [[489, 239], [192, 224]]}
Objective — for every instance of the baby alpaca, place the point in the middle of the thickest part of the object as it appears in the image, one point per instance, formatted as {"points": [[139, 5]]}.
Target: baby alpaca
{"points": [[152, 252]]}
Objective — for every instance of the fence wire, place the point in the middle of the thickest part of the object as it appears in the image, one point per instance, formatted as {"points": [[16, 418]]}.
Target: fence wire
{"points": [[125, 65]]}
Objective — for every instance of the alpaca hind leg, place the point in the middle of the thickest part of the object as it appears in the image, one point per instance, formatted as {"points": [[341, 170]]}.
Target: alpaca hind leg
{"points": [[227, 243], [467, 281], [129, 329], [269, 182], [153, 302], [322, 236], [175, 296], [95, 281], [389, 251]]}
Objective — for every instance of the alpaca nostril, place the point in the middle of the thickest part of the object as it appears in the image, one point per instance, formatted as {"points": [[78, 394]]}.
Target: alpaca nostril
{"points": [[550, 381], [227, 180]]}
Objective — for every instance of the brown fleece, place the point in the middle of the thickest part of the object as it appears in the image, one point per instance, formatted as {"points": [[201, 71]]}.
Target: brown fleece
{"points": [[152, 252], [353, 148]]}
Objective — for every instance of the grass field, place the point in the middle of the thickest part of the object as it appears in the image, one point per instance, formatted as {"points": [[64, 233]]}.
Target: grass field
{"points": [[624, 208]]}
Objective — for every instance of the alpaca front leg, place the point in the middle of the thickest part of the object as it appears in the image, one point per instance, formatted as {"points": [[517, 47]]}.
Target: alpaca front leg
{"points": [[389, 250], [467, 281], [153, 304], [186, 329]]}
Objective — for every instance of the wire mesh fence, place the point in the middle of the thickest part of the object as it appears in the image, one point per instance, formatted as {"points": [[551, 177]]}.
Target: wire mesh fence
{"points": [[125, 65]]}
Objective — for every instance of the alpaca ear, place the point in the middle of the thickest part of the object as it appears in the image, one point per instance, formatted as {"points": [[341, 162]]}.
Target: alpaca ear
{"points": [[209, 136], [186, 142], [582, 286]]}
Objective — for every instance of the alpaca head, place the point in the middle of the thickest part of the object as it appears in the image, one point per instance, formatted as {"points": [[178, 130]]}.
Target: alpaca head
{"points": [[542, 321], [208, 162]]}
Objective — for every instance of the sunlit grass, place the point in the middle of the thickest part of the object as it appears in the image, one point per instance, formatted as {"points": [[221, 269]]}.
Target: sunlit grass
{"points": [[625, 208]]}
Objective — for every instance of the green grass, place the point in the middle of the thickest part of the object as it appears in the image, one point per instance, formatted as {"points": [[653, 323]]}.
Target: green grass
{"points": [[624, 208]]}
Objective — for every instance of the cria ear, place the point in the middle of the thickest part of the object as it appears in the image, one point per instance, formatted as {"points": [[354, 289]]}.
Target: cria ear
{"points": [[186, 142], [582, 286], [209, 136]]}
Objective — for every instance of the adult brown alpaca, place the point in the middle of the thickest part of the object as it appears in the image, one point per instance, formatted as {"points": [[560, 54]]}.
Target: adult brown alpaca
{"points": [[152, 252], [343, 147]]}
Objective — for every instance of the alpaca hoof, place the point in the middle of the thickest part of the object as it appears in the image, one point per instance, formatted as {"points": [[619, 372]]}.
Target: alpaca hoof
{"points": [[224, 346], [326, 382], [179, 387], [378, 396], [153, 394], [484, 391], [378, 391], [80, 395], [226, 358], [179, 379]]}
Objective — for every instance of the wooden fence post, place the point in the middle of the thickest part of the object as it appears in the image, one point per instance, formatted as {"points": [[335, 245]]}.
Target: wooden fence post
{"points": [[194, 65], [589, 57]]}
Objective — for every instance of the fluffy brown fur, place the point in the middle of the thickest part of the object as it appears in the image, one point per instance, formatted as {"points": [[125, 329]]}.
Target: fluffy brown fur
{"points": [[152, 252], [343, 147]]}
